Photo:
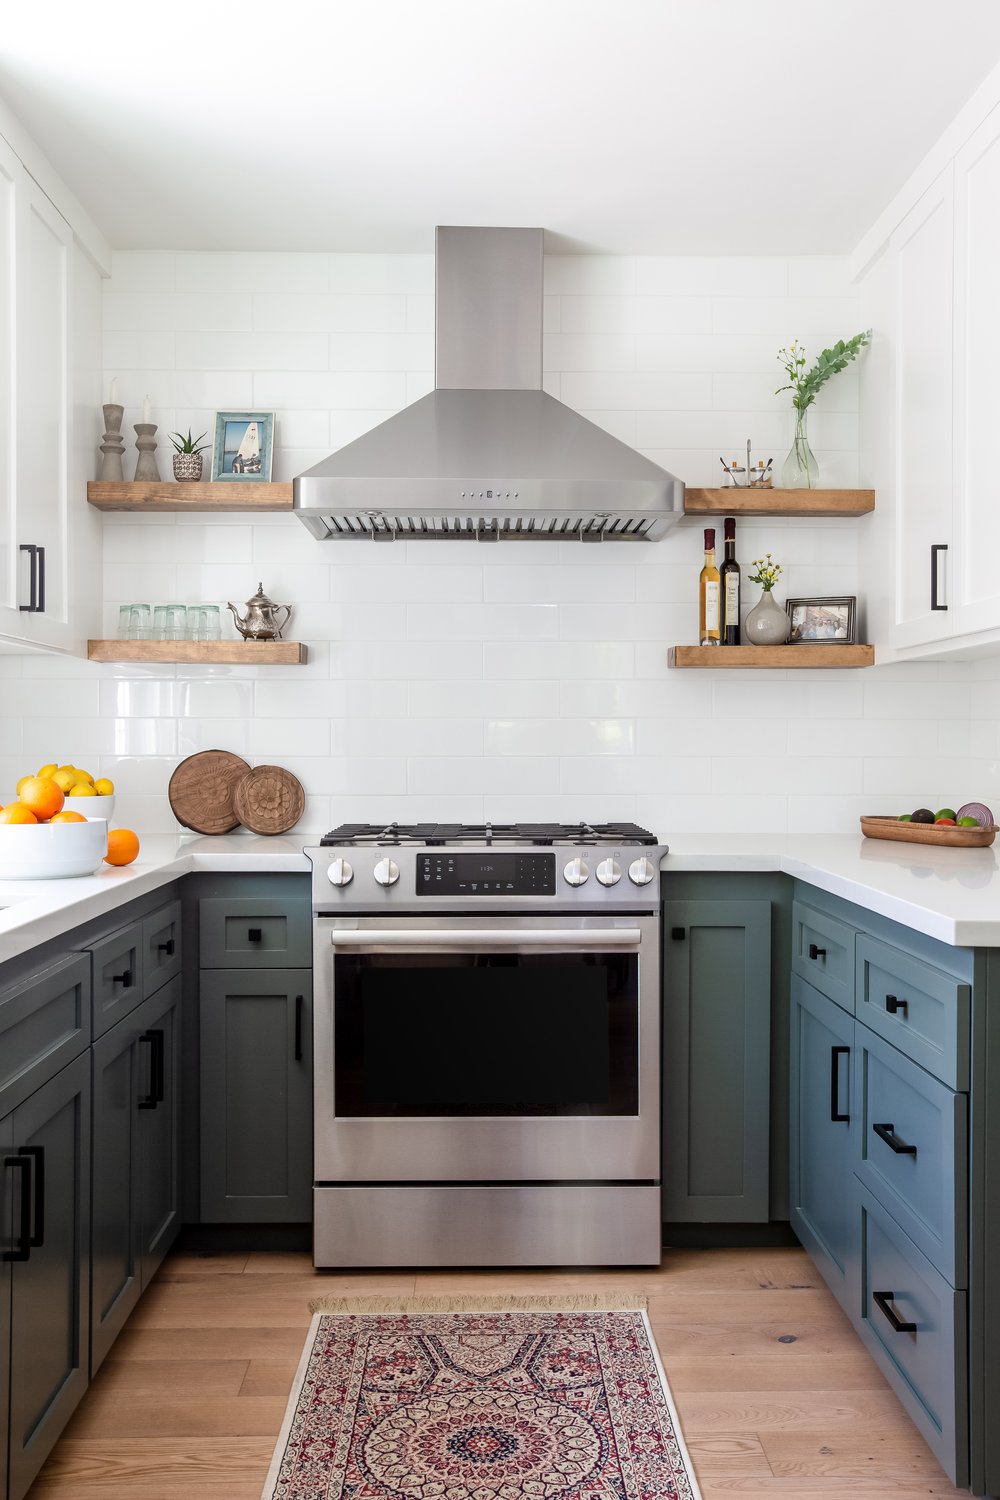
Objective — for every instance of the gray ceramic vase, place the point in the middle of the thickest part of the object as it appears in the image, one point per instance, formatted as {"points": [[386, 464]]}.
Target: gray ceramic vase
{"points": [[766, 624]]}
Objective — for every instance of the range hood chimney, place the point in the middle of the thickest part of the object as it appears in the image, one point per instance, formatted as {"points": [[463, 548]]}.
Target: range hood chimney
{"points": [[488, 454]]}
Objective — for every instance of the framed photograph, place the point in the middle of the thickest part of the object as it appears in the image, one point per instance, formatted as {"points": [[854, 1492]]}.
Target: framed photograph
{"points": [[830, 621], [243, 444]]}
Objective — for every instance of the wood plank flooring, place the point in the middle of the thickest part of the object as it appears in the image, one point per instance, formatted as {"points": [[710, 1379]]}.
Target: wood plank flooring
{"points": [[190, 1400]]}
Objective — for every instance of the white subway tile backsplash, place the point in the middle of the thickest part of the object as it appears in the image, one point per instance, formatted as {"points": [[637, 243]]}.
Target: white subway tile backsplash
{"points": [[459, 681]]}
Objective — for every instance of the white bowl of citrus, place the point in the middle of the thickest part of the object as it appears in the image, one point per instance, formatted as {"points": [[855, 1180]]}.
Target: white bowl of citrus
{"points": [[46, 834]]}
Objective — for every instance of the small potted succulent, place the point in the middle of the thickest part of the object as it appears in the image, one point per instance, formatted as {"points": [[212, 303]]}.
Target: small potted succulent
{"points": [[187, 458]]}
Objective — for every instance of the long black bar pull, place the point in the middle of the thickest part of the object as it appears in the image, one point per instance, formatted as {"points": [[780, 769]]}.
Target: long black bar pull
{"points": [[835, 1055]]}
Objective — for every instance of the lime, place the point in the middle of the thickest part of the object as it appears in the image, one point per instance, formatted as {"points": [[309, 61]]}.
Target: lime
{"points": [[944, 812]]}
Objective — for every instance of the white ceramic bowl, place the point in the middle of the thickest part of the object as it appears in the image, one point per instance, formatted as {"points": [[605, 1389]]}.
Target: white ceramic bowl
{"points": [[91, 807], [52, 851]]}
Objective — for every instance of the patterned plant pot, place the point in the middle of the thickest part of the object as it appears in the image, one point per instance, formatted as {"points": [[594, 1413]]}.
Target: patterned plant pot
{"points": [[187, 467]]}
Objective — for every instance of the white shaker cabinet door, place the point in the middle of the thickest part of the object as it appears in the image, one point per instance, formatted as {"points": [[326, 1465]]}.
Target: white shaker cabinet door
{"points": [[976, 581], [923, 251]]}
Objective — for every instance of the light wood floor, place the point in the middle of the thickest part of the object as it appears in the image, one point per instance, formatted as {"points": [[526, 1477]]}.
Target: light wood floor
{"points": [[777, 1397]]}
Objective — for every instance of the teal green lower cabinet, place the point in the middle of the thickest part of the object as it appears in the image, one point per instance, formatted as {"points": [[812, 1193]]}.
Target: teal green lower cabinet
{"points": [[716, 1060], [136, 1159], [822, 1195], [256, 1096], [47, 1202]]}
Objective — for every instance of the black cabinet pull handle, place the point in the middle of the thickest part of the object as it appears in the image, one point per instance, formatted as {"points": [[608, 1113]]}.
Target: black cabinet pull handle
{"points": [[887, 1133], [882, 1301], [299, 1005], [678, 934], [21, 1250], [254, 934], [835, 1055], [124, 978], [37, 1154], [156, 1072], [815, 952], [36, 597], [893, 1005], [169, 947], [938, 547]]}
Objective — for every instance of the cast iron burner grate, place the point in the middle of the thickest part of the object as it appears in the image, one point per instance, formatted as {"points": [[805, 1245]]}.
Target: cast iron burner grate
{"points": [[487, 833]]}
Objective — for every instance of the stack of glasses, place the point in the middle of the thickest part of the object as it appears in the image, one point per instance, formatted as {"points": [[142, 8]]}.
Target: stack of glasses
{"points": [[169, 622]]}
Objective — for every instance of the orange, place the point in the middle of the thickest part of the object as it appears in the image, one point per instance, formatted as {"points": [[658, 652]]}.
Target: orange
{"points": [[67, 816], [41, 796], [123, 846], [16, 812]]}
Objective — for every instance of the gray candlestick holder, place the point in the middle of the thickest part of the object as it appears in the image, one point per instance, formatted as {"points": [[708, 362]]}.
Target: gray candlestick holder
{"points": [[113, 445], [145, 468]]}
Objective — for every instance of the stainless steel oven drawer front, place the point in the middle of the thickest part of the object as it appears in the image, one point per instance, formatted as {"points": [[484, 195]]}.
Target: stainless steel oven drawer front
{"points": [[487, 1226]]}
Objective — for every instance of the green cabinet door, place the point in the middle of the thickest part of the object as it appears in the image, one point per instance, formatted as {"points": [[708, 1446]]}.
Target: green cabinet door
{"points": [[48, 1307], [823, 1199], [716, 1060], [8, 1207], [136, 1155], [256, 1096]]}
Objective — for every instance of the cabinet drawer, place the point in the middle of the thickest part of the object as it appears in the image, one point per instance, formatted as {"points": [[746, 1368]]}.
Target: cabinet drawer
{"points": [[161, 947], [116, 975], [913, 1144], [823, 953], [253, 931], [44, 1024], [922, 1010], [925, 1360]]}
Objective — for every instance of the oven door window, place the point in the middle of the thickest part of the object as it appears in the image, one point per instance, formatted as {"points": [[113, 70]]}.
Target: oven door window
{"points": [[486, 1034]]}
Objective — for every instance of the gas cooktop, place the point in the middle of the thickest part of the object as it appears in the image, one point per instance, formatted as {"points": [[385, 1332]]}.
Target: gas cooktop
{"points": [[444, 834]]}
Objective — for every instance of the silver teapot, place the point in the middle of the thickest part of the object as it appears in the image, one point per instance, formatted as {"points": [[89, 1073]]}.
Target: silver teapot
{"points": [[260, 623]]}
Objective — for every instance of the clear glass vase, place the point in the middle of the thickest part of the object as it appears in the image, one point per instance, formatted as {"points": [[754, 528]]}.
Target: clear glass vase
{"points": [[800, 471]]}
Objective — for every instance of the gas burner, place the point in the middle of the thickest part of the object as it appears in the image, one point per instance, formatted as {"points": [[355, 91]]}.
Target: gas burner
{"points": [[487, 834]]}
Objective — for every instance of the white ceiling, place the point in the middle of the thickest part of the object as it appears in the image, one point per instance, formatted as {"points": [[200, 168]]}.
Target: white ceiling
{"points": [[643, 126]]}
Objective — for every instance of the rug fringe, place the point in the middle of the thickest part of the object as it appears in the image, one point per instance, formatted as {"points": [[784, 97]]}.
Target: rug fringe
{"points": [[387, 1306]]}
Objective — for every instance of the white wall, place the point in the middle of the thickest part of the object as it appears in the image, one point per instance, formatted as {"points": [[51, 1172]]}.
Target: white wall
{"points": [[453, 681]]}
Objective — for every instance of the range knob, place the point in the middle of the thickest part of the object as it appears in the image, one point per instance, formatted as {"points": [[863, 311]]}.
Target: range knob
{"points": [[641, 871], [340, 872], [576, 872], [386, 872], [609, 872]]}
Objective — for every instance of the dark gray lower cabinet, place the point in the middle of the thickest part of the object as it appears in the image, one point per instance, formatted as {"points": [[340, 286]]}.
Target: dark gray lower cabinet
{"points": [[46, 1236], [136, 1151], [256, 1096], [716, 1060], [822, 1209]]}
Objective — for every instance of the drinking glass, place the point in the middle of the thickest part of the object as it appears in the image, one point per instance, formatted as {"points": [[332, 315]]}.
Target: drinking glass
{"points": [[138, 627], [169, 622], [203, 622]]}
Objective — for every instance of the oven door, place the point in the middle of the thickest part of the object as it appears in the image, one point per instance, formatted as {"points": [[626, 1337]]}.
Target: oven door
{"points": [[500, 1049]]}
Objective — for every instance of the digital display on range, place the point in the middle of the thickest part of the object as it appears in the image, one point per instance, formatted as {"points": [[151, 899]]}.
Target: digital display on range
{"points": [[486, 874]]}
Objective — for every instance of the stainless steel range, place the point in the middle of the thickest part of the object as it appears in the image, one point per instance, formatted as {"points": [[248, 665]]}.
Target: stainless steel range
{"points": [[487, 1056]]}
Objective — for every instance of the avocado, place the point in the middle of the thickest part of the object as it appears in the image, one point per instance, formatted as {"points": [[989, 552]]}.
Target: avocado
{"points": [[922, 815]]}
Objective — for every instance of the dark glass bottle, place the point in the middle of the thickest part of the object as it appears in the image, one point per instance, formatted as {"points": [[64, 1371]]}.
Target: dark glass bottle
{"points": [[729, 587]]}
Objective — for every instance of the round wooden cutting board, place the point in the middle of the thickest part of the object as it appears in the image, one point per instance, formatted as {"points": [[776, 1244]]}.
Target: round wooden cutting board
{"points": [[201, 791], [269, 800]]}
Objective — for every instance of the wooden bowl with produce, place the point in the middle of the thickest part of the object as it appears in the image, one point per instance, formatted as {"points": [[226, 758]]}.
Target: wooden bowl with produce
{"points": [[970, 827]]}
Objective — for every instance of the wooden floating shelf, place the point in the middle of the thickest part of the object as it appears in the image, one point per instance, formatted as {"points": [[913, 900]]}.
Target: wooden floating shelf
{"points": [[196, 653], [736, 501], [805, 655], [224, 496]]}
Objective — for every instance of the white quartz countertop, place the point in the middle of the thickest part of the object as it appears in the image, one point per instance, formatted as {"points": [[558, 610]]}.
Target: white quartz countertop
{"points": [[949, 894]]}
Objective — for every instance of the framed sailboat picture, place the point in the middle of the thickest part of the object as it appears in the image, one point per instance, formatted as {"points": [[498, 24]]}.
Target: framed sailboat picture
{"points": [[243, 445]]}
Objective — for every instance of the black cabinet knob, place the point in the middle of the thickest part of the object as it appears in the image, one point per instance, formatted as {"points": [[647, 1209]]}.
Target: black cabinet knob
{"points": [[254, 934], [124, 978], [169, 947], [815, 952], [893, 1005]]}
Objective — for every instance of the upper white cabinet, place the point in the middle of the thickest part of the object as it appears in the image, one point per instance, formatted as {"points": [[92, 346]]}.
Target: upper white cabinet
{"points": [[937, 305], [37, 480]]}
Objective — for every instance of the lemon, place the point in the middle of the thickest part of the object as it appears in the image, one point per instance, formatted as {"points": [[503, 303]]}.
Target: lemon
{"points": [[66, 767], [48, 770], [65, 778], [20, 784], [82, 789], [104, 787], [84, 776]]}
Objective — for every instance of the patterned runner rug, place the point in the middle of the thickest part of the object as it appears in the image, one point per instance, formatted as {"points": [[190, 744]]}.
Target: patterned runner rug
{"points": [[509, 1398]]}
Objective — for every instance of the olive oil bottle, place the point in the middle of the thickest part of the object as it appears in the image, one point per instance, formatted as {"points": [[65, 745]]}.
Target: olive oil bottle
{"points": [[708, 595]]}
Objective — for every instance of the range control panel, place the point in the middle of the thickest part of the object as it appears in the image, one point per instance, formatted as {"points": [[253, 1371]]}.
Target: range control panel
{"points": [[455, 873]]}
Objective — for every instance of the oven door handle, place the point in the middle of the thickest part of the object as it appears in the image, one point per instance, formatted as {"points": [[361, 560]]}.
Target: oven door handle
{"points": [[487, 937]]}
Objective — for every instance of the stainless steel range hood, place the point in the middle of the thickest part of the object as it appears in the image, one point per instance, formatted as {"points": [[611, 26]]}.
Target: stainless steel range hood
{"points": [[488, 454]]}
